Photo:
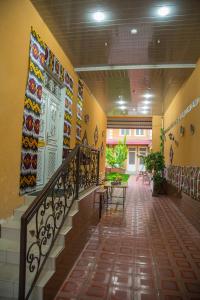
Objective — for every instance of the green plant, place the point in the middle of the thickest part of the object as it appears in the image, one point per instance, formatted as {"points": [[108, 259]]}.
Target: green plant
{"points": [[113, 176], [154, 163], [116, 156], [162, 134]]}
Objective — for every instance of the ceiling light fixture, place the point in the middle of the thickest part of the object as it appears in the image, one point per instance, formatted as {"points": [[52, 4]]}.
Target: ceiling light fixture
{"points": [[163, 11], [134, 31], [99, 16], [147, 95], [122, 107], [146, 102], [121, 102]]}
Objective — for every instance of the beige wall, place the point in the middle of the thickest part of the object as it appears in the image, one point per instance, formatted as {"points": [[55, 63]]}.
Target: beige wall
{"points": [[156, 127], [16, 19], [188, 149]]}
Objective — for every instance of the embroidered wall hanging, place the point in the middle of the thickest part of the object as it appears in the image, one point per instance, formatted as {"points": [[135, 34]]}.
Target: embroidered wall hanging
{"points": [[54, 66], [31, 118], [40, 58], [79, 111]]}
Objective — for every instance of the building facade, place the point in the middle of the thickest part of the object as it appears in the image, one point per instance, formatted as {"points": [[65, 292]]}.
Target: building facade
{"points": [[138, 141]]}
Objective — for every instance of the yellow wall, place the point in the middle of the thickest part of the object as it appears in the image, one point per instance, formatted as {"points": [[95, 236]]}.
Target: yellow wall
{"points": [[156, 127], [188, 149], [16, 19]]}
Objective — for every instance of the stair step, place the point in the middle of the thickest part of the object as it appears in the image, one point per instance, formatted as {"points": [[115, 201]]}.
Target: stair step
{"points": [[9, 280], [9, 253], [9, 275], [18, 212]]}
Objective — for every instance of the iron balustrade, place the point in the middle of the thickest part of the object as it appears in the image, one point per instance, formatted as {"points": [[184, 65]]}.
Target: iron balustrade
{"points": [[41, 223]]}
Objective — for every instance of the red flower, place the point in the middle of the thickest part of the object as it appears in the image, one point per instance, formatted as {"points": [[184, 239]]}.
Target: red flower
{"points": [[37, 126], [35, 51], [27, 161], [42, 59], [39, 91], [29, 123], [32, 86]]}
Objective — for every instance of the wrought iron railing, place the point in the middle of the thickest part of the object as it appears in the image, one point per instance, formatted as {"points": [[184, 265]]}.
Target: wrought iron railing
{"points": [[41, 223]]}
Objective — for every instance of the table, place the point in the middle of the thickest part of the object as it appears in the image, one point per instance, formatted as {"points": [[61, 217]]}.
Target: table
{"points": [[110, 188]]}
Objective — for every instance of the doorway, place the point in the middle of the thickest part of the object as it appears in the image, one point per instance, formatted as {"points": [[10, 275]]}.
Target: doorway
{"points": [[131, 163], [50, 144]]}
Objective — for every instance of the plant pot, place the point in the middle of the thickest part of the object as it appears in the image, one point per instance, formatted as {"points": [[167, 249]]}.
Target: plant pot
{"points": [[116, 182], [118, 170], [159, 188]]}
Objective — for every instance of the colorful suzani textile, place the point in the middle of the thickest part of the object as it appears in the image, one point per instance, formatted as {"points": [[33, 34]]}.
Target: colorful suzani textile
{"points": [[41, 56], [68, 81], [31, 118], [79, 111]]}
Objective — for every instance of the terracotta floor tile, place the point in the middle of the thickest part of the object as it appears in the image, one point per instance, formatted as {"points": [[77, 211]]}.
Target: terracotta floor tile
{"points": [[121, 279], [149, 251], [118, 293]]}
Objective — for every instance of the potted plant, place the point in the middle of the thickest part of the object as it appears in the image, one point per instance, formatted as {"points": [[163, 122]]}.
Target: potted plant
{"points": [[116, 156], [118, 180], [154, 163]]}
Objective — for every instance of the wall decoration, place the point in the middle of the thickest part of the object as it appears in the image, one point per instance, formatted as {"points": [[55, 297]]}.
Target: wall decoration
{"points": [[68, 82], [182, 131], [188, 109], [85, 139], [54, 67], [186, 179], [192, 129], [176, 143], [79, 111], [31, 118], [171, 136], [171, 155], [41, 58], [96, 135], [86, 118], [102, 149]]}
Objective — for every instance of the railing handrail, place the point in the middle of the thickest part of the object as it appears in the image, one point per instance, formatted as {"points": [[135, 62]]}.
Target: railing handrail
{"points": [[34, 207], [37, 201]]}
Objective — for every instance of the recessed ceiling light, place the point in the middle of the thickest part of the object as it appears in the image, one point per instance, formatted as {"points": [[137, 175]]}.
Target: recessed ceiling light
{"points": [[106, 44], [121, 102], [134, 31], [163, 11], [147, 95], [99, 16], [146, 102], [122, 107]]}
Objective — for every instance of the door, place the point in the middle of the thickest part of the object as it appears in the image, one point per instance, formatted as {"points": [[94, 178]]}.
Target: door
{"points": [[131, 162], [50, 137]]}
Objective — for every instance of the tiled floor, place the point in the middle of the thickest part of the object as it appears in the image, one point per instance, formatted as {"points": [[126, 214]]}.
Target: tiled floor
{"points": [[148, 252]]}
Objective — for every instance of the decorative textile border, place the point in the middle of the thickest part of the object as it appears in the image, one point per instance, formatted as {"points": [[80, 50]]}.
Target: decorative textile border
{"points": [[40, 56], [55, 67], [190, 107], [31, 118], [186, 179], [79, 114]]}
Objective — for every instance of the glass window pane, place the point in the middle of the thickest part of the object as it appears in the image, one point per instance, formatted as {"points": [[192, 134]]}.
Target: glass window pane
{"points": [[131, 158]]}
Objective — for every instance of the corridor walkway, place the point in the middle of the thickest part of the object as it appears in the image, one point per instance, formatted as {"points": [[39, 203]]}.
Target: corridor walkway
{"points": [[150, 252]]}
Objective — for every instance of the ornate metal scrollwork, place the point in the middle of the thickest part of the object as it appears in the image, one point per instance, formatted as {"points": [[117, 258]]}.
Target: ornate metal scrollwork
{"points": [[43, 220]]}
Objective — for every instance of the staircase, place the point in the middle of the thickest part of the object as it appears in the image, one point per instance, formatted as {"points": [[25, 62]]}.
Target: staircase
{"points": [[12, 243], [10, 249]]}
